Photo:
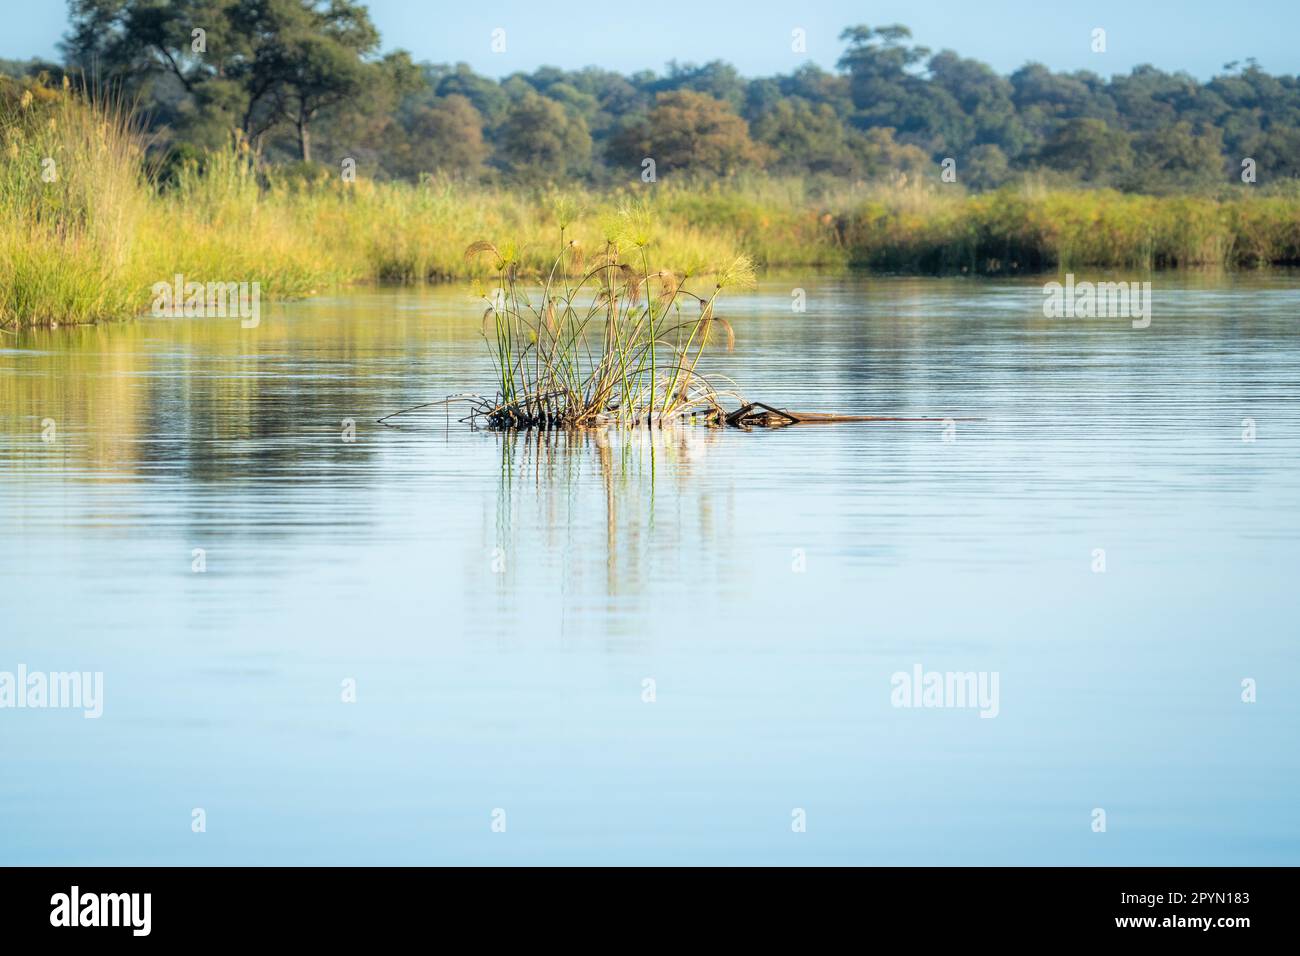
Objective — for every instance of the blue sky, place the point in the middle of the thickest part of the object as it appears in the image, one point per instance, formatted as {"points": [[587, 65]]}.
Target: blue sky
{"points": [[1196, 35]]}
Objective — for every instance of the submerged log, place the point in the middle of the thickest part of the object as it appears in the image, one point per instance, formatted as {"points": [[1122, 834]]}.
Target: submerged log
{"points": [[515, 417], [758, 415]]}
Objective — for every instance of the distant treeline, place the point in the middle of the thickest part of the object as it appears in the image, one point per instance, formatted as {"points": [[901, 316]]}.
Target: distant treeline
{"points": [[306, 82]]}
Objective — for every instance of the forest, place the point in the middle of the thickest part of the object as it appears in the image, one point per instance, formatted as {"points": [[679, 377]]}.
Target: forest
{"points": [[310, 86]]}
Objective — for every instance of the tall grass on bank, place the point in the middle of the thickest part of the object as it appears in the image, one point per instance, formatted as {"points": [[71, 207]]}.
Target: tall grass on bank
{"points": [[1025, 229], [88, 242], [73, 200]]}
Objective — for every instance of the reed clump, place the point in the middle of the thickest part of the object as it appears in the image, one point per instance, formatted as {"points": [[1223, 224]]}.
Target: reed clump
{"points": [[604, 339]]}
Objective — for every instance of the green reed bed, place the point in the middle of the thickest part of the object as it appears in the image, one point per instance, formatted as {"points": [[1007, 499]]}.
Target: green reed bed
{"points": [[86, 229], [1028, 230], [601, 340], [72, 195]]}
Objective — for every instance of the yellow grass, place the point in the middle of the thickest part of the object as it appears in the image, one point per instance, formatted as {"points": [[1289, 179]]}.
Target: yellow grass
{"points": [[85, 232]]}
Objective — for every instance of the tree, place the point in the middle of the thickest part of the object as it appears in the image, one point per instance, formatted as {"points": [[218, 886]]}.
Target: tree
{"points": [[1089, 150], [805, 137], [985, 167], [884, 157], [984, 99], [308, 56], [542, 141], [1043, 98], [255, 63], [689, 131], [878, 61], [716, 79], [371, 130], [149, 49], [1177, 157], [817, 86], [1277, 153], [131, 39], [447, 137]]}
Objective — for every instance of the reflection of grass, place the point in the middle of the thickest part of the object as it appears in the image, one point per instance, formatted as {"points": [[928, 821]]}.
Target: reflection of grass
{"points": [[549, 478], [90, 243]]}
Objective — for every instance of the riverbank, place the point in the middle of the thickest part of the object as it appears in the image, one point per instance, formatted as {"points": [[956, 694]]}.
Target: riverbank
{"points": [[86, 231]]}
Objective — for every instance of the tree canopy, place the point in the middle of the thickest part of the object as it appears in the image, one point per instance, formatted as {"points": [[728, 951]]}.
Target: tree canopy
{"points": [[306, 80]]}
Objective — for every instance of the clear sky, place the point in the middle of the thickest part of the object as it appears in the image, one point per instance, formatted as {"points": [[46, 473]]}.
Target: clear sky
{"points": [[1195, 35]]}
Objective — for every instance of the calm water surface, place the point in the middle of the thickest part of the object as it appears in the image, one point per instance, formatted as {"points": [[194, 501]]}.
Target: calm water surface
{"points": [[500, 601]]}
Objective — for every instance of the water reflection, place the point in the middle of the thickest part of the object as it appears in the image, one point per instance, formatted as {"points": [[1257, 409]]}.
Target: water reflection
{"points": [[613, 497]]}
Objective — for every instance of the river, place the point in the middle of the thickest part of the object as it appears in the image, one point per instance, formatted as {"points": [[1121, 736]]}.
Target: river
{"points": [[325, 640]]}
